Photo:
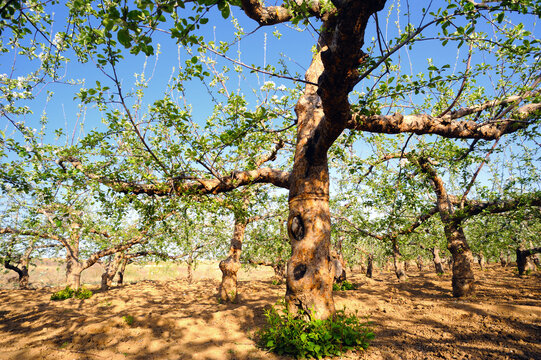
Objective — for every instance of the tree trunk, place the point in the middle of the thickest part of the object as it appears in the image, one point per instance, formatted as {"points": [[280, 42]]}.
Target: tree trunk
{"points": [[438, 265], [361, 264], [73, 274], [322, 113], [481, 260], [73, 266], [189, 268], [110, 271], [370, 265], [503, 259], [122, 270], [309, 270], [21, 271], [231, 265], [535, 257], [24, 278], [463, 277], [420, 263], [339, 267], [398, 263], [279, 270], [522, 258]]}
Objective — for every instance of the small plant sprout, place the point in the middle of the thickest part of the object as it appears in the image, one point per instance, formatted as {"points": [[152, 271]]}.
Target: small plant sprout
{"points": [[128, 320]]}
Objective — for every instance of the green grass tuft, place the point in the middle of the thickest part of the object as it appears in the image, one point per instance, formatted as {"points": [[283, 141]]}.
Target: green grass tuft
{"points": [[344, 285], [68, 292], [286, 334]]}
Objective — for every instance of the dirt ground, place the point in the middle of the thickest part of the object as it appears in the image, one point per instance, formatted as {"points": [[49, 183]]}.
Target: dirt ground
{"points": [[172, 319]]}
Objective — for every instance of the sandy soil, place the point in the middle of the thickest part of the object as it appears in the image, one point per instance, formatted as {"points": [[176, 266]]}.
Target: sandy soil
{"points": [[172, 319]]}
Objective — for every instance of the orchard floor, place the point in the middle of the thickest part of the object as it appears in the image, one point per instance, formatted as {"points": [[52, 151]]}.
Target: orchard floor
{"points": [[172, 319]]}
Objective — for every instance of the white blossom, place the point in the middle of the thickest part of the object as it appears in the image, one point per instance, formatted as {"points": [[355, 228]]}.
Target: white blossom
{"points": [[268, 85]]}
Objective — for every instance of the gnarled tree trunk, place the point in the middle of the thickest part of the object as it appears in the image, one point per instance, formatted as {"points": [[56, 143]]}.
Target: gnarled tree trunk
{"points": [[22, 272], [309, 270], [522, 258], [370, 265], [231, 265], [73, 274], [463, 277], [420, 263], [122, 270], [361, 264], [438, 265], [110, 271], [339, 266], [399, 265], [279, 270], [481, 260], [535, 257], [503, 259]]}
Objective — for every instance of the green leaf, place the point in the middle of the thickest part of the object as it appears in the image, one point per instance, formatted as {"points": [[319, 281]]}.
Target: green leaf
{"points": [[124, 37]]}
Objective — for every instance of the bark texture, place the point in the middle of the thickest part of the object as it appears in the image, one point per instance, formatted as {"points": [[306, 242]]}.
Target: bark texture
{"points": [[309, 270], [339, 266], [322, 112], [463, 277], [73, 266], [73, 274]]}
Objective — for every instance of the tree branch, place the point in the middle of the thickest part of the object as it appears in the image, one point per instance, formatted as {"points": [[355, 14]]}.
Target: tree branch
{"points": [[272, 15], [180, 186], [475, 207], [446, 126]]}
